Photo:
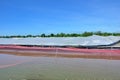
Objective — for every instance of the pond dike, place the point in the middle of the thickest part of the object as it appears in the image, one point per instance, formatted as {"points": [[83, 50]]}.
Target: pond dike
{"points": [[69, 52]]}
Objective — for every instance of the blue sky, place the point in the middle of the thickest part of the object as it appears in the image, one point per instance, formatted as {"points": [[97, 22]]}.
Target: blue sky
{"points": [[55, 16]]}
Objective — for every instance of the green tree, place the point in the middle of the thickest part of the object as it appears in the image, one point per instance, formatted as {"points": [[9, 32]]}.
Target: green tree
{"points": [[85, 34], [43, 35], [52, 35]]}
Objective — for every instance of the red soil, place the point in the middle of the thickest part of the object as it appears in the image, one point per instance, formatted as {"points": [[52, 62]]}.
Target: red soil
{"points": [[60, 52], [78, 50]]}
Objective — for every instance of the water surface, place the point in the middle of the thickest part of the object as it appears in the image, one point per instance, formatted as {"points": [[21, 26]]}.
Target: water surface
{"points": [[15, 67]]}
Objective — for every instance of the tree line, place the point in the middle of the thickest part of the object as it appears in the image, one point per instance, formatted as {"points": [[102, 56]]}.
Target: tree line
{"points": [[85, 34]]}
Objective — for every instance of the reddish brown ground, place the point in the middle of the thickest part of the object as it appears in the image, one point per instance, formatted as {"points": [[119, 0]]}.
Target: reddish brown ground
{"points": [[61, 52]]}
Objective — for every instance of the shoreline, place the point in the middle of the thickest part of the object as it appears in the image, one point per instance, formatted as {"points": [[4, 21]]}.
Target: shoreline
{"points": [[113, 54], [59, 49]]}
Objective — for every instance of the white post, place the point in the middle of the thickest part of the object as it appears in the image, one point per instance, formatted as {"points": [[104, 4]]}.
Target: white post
{"points": [[56, 51]]}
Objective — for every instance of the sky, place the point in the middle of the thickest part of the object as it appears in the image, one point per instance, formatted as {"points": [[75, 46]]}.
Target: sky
{"points": [[21, 17]]}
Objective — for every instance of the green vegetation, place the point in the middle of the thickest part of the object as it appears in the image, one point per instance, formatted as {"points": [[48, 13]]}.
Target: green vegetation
{"points": [[85, 34]]}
